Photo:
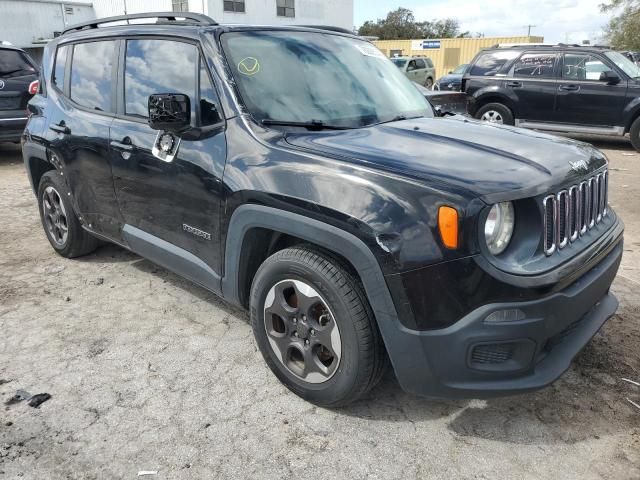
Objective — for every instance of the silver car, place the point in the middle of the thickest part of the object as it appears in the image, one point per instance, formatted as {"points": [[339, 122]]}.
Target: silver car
{"points": [[417, 69]]}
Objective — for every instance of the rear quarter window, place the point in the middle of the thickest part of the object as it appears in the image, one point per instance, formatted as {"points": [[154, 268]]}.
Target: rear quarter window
{"points": [[60, 66], [491, 63]]}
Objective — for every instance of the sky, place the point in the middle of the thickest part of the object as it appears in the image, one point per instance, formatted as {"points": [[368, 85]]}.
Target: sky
{"points": [[569, 21]]}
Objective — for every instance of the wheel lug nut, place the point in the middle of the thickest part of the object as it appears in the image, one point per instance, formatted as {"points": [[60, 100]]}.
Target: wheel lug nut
{"points": [[295, 334], [306, 342], [313, 332]]}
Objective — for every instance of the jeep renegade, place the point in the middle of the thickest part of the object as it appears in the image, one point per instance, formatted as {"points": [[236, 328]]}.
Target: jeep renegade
{"points": [[296, 172]]}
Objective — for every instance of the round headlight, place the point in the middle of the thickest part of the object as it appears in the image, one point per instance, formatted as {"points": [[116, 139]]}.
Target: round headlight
{"points": [[498, 227]]}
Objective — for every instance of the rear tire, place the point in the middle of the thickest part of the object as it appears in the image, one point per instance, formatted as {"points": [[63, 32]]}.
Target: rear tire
{"points": [[634, 134], [60, 223], [495, 113], [315, 328]]}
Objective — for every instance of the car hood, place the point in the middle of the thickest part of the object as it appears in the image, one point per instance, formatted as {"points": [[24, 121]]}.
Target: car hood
{"points": [[493, 162], [450, 78]]}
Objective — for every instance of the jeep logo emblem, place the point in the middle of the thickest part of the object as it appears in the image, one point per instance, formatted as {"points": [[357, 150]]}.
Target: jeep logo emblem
{"points": [[579, 165]]}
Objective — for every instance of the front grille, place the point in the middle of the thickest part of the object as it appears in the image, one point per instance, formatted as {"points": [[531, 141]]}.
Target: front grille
{"points": [[492, 354], [570, 213]]}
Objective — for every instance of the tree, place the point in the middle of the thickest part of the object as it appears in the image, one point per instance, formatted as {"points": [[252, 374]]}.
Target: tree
{"points": [[401, 24], [623, 30]]}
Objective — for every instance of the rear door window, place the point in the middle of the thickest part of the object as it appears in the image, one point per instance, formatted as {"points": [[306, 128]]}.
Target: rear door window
{"points": [[420, 64], [535, 65], [14, 63], [92, 75], [60, 66], [491, 63], [158, 66]]}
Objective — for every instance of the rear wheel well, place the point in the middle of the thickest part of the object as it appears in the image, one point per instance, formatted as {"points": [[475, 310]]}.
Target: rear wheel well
{"points": [[260, 243], [37, 168]]}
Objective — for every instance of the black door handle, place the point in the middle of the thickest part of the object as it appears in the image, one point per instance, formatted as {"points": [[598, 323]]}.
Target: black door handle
{"points": [[569, 88], [514, 84], [60, 128], [125, 145]]}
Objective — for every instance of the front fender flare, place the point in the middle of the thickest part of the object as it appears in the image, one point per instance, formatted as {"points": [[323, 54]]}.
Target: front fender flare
{"points": [[404, 348]]}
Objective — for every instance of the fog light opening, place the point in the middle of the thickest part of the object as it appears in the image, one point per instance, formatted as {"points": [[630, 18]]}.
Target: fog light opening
{"points": [[504, 316]]}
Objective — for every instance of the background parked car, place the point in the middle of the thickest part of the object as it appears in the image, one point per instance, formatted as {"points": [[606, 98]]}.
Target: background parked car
{"points": [[563, 88], [633, 56], [417, 69], [451, 81], [445, 103], [18, 83]]}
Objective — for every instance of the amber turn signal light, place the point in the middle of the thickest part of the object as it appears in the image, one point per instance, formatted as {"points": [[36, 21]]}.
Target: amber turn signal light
{"points": [[448, 226]]}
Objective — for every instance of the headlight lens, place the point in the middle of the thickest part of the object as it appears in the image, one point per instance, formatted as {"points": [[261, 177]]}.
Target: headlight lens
{"points": [[498, 227]]}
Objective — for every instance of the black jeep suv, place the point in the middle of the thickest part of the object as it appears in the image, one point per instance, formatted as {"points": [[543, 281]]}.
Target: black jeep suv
{"points": [[297, 173], [18, 83], [560, 88]]}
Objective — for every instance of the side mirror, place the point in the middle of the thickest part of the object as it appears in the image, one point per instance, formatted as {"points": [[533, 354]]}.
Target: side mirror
{"points": [[450, 72], [610, 78], [169, 111]]}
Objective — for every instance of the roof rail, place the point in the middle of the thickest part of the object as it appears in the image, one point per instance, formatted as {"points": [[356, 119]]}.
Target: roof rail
{"points": [[327, 27], [162, 17]]}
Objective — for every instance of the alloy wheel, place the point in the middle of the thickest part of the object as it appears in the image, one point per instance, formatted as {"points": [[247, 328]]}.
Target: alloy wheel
{"points": [[302, 331], [492, 116], [55, 216]]}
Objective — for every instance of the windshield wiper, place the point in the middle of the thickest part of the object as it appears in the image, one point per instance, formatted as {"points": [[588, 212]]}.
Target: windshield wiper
{"points": [[312, 125], [398, 118]]}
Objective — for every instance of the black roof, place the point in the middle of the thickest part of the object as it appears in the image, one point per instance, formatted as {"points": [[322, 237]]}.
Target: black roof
{"points": [[5, 46], [559, 46]]}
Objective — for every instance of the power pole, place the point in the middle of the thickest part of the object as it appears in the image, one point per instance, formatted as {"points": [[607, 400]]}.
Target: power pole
{"points": [[529, 27]]}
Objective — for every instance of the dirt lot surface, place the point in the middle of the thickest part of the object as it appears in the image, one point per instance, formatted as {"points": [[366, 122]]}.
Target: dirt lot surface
{"points": [[149, 372]]}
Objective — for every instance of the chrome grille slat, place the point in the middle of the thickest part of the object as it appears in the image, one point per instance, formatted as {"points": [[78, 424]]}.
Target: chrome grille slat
{"points": [[562, 220], [571, 213], [574, 214]]}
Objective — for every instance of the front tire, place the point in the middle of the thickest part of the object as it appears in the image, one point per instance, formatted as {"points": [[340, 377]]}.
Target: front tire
{"points": [[634, 134], [495, 113], [60, 223], [315, 328]]}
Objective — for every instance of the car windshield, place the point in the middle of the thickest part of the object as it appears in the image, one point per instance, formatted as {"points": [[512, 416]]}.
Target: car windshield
{"points": [[623, 63], [288, 76], [399, 62], [460, 70]]}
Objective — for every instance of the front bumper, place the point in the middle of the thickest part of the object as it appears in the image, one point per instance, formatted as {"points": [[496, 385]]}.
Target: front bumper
{"points": [[473, 358]]}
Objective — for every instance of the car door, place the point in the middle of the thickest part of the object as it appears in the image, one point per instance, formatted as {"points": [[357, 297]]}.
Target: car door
{"points": [[532, 84], [411, 71], [170, 204], [79, 115], [421, 71], [583, 99]]}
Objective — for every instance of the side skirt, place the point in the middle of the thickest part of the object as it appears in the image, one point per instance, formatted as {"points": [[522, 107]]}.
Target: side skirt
{"points": [[561, 127], [172, 258]]}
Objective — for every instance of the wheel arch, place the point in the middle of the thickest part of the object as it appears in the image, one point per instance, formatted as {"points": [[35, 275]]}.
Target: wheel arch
{"points": [[404, 349], [493, 97], [256, 232], [36, 163], [631, 114]]}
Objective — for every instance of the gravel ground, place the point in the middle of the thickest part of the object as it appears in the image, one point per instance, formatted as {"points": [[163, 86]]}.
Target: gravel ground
{"points": [[149, 372]]}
